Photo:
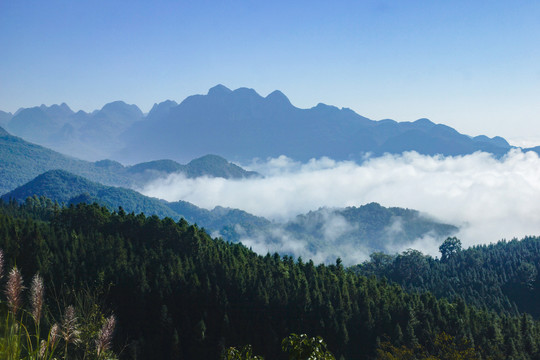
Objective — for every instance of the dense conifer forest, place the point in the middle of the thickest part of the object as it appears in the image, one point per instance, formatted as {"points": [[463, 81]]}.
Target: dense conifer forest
{"points": [[502, 277], [179, 294]]}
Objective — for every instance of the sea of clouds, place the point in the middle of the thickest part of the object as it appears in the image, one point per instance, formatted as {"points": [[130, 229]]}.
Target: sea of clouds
{"points": [[488, 198]]}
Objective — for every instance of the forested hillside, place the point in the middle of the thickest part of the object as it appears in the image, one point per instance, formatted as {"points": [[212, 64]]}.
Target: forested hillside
{"points": [[180, 294], [22, 161], [503, 277]]}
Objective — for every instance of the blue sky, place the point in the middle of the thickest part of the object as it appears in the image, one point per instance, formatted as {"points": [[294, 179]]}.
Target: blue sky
{"points": [[474, 65]]}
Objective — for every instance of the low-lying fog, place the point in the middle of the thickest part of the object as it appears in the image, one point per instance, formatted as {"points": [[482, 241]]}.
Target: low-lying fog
{"points": [[488, 198]]}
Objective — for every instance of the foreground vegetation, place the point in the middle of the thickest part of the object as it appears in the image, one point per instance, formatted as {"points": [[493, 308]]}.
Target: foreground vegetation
{"points": [[28, 334], [178, 294]]}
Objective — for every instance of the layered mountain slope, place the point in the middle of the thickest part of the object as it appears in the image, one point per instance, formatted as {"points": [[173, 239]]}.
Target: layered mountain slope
{"points": [[22, 161], [90, 136], [208, 165], [242, 125], [350, 233], [63, 187], [67, 188], [5, 117]]}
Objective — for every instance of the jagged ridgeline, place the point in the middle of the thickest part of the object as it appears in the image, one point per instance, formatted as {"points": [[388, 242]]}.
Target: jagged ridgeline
{"points": [[261, 127], [180, 294]]}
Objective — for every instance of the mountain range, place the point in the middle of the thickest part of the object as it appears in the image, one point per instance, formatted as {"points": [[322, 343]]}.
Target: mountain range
{"points": [[239, 125]]}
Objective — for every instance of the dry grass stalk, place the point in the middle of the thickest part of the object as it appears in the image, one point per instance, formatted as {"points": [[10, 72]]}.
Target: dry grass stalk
{"points": [[14, 289], [54, 335], [42, 349], [37, 292], [70, 331], [104, 340]]}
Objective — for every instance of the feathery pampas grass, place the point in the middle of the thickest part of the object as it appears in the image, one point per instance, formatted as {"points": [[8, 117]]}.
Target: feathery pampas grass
{"points": [[19, 342], [14, 290]]}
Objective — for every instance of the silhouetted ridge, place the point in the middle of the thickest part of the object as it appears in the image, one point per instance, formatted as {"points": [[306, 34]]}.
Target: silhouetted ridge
{"points": [[424, 123], [277, 98], [161, 109], [219, 90], [122, 107], [166, 166]]}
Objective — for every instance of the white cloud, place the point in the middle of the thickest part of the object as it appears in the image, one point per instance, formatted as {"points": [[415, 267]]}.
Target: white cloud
{"points": [[488, 198]]}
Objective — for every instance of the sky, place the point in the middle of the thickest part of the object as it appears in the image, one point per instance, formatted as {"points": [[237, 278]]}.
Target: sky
{"points": [[473, 65]]}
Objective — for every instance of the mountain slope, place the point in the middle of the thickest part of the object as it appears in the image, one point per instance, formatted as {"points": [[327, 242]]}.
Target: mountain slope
{"points": [[67, 188], [61, 186], [351, 233], [91, 136], [5, 117], [21, 161]]}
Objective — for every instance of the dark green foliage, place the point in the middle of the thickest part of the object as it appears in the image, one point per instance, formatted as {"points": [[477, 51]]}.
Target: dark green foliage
{"points": [[303, 347], [220, 218], [180, 294], [244, 353], [502, 277], [449, 248]]}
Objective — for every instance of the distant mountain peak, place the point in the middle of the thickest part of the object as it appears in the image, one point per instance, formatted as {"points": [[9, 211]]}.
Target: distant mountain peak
{"points": [[161, 109], [217, 166], [219, 90], [246, 92], [120, 107], [424, 121], [166, 103], [55, 107], [118, 104], [277, 97], [325, 107]]}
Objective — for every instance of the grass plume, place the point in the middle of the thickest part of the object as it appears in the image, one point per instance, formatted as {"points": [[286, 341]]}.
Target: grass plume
{"points": [[14, 290], [36, 296], [104, 340]]}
